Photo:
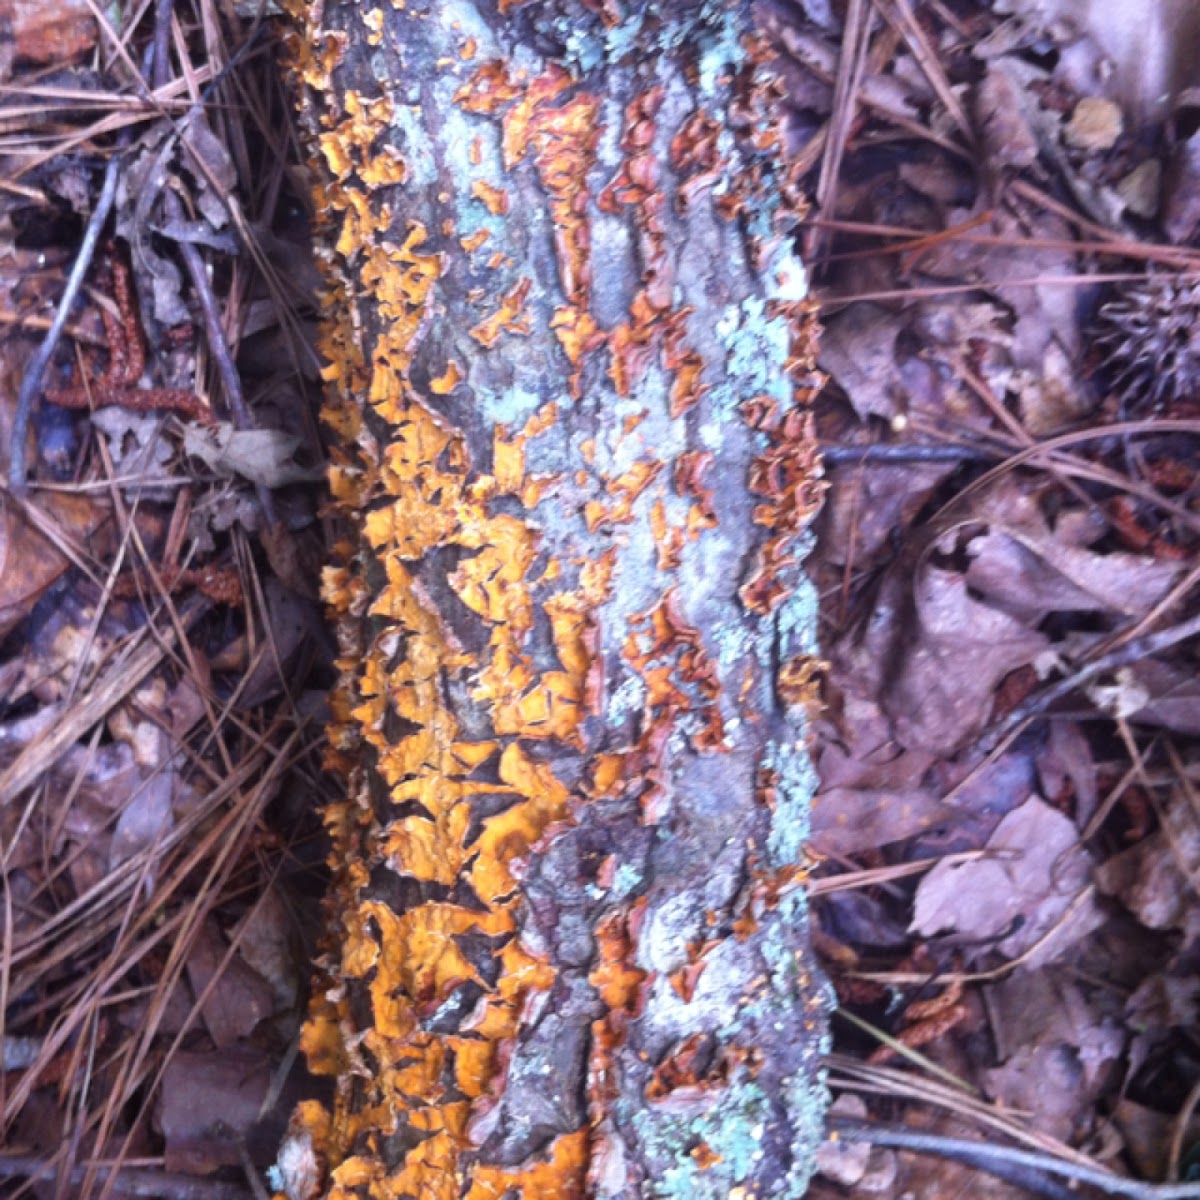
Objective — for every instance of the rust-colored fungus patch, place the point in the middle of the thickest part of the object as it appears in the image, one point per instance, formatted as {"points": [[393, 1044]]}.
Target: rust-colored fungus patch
{"points": [[562, 141], [508, 318], [788, 478], [495, 199], [653, 315], [625, 489]]}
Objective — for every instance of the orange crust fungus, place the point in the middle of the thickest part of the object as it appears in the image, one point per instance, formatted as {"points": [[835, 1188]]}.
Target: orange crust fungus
{"points": [[569, 366]]}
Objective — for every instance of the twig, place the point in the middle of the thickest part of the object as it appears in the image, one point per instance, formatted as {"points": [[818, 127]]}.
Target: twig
{"points": [[1136, 650], [987, 1156], [1017, 1174], [837, 455], [129, 1181], [31, 385], [851, 1074]]}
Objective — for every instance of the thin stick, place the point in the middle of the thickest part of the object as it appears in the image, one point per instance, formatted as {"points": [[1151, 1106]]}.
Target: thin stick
{"points": [[851, 64], [130, 1181], [31, 385], [835, 455], [976, 1152], [1135, 651], [975, 1155]]}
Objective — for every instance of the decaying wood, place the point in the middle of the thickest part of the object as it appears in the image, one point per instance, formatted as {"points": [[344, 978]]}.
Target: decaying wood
{"points": [[569, 360]]}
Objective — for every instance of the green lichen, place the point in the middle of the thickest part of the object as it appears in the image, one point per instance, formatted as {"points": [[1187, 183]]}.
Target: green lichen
{"points": [[795, 786]]}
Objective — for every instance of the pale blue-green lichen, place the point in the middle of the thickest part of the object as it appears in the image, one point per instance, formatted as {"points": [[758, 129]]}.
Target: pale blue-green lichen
{"points": [[627, 881], [796, 615], [795, 786], [512, 406], [720, 48]]}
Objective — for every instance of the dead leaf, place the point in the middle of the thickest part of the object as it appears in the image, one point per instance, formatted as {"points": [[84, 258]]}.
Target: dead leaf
{"points": [[1032, 885], [239, 999], [1147, 1136], [1029, 570], [952, 658], [871, 791], [1154, 879], [139, 448], [1172, 696], [866, 505], [265, 942], [1141, 54], [30, 562], [293, 622], [145, 820], [1163, 1001], [209, 159], [210, 1103], [1121, 698], [842, 1161], [1057, 1044], [1095, 125], [847, 821], [1001, 100], [1140, 191], [263, 456], [1067, 769], [858, 348]]}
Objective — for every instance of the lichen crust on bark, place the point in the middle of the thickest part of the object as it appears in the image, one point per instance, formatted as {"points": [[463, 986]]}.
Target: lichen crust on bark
{"points": [[570, 367]]}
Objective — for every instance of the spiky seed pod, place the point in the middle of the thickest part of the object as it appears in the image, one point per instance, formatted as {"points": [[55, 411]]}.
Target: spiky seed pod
{"points": [[1150, 337]]}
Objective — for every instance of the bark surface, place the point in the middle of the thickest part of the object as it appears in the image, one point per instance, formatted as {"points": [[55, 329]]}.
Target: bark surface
{"points": [[569, 359]]}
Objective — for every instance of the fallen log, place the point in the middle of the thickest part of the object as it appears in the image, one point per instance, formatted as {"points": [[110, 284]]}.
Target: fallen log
{"points": [[570, 359]]}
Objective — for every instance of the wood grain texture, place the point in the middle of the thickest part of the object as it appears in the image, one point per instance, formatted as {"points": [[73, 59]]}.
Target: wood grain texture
{"points": [[570, 362]]}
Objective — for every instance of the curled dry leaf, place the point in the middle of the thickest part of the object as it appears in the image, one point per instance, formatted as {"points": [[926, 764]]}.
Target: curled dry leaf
{"points": [[30, 562], [1057, 1042], [239, 999], [1154, 878], [1027, 569], [1035, 883], [263, 456], [952, 659]]}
